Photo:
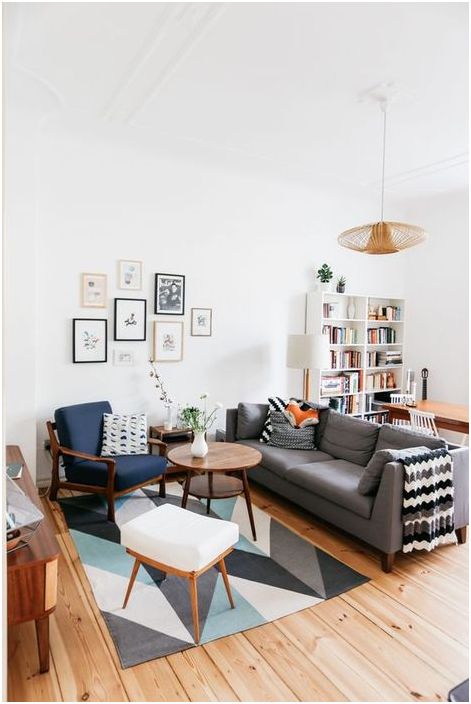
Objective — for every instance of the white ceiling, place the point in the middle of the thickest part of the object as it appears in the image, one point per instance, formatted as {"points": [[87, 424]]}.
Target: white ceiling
{"points": [[273, 83]]}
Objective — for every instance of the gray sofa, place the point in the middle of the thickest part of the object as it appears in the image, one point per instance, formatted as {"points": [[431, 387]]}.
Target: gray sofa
{"points": [[325, 481]]}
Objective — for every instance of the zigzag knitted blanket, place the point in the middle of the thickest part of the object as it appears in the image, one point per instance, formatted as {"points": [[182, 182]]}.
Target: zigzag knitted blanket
{"points": [[427, 509]]}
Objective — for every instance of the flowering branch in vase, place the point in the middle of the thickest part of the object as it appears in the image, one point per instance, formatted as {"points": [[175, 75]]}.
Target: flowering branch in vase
{"points": [[199, 420]]}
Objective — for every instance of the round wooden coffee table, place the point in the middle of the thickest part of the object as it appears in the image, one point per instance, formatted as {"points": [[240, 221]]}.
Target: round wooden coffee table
{"points": [[215, 473]]}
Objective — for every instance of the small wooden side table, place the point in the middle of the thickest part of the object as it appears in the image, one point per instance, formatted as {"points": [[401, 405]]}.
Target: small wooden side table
{"points": [[172, 438]]}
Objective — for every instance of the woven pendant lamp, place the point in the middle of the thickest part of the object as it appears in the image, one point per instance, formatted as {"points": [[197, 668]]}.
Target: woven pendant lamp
{"points": [[382, 237]]}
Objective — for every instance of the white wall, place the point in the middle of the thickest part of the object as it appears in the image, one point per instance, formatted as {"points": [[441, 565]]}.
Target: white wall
{"points": [[436, 290], [246, 242]]}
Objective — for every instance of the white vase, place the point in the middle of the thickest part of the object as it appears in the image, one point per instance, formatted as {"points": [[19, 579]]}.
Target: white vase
{"points": [[168, 424], [199, 446], [351, 309], [325, 285]]}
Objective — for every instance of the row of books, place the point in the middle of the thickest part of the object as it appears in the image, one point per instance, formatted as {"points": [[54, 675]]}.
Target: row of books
{"points": [[346, 383], [384, 313], [383, 358], [380, 380], [347, 404], [381, 336], [341, 336], [348, 359]]}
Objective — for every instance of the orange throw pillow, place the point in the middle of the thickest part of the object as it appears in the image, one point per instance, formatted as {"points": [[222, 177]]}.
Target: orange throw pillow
{"points": [[299, 418]]}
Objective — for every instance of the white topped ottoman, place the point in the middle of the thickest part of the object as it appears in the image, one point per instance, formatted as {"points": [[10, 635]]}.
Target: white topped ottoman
{"points": [[180, 542]]}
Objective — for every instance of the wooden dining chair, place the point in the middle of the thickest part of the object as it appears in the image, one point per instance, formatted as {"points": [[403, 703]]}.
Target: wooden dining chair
{"points": [[423, 422]]}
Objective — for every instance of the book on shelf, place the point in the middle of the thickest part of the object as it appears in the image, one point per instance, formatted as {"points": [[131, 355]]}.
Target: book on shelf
{"points": [[348, 404], [392, 313], [345, 359], [346, 383], [380, 381], [330, 310], [388, 357], [341, 335], [381, 336]]}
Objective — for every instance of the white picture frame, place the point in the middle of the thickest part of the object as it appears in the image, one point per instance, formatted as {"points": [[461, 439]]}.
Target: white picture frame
{"points": [[93, 291], [129, 275], [89, 340], [130, 319], [123, 358], [201, 322], [168, 341]]}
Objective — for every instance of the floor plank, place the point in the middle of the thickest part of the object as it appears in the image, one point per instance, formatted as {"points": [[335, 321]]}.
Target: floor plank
{"points": [[25, 684], [202, 680]]}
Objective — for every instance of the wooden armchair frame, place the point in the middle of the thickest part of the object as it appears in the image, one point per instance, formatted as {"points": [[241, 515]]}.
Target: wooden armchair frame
{"points": [[109, 491]]}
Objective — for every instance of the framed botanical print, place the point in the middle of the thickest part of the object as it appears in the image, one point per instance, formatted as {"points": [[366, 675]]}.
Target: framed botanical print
{"points": [[93, 291], [168, 341], [89, 340], [169, 294], [130, 322], [129, 275], [201, 322]]}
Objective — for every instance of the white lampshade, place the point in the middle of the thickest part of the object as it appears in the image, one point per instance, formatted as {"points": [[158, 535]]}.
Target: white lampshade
{"points": [[308, 352]]}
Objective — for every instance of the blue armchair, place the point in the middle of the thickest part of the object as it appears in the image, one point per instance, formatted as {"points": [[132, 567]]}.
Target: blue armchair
{"points": [[79, 429]]}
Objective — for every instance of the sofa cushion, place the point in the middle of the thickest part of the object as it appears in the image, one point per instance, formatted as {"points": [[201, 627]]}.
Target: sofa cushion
{"points": [[397, 437], [251, 418], [275, 403], [130, 470], [299, 417], [124, 434], [348, 438], [285, 436], [371, 475], [280, 461], [336, 481]]}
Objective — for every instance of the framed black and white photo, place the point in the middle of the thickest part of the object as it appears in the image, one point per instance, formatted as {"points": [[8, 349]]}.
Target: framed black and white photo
{"points": [[130, 319], [169, 294], [123, 358], [201, 322], [168, 341], [130, 275], [93, 291], [89, 340]]}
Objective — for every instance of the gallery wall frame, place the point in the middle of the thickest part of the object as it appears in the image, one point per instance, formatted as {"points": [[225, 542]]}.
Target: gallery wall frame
{"points": [[130, 275], [89, 340], [130, 319], [201, 322], [93, 290], [168, 341], [169, 295]]}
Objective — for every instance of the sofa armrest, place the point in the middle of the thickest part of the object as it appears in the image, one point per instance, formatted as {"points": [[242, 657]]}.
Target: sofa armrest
{"points": [[387, 509], [231, 424], [461, 485]]}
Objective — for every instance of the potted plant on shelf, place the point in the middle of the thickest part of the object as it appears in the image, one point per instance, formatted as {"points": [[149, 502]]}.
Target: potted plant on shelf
{"points": [[325, 275], [341, 282]]}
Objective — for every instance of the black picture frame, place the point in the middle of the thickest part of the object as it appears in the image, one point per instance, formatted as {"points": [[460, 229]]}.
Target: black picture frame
{"points": [[124, 307], [163, 303], [80, 354]]}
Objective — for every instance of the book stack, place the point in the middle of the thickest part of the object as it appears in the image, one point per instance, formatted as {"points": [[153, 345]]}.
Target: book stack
{"points": [[340, 336], [381, 336], [347, 383], [387, 358], [348, 359], [349, 405], [380, 381], [384, 313]]}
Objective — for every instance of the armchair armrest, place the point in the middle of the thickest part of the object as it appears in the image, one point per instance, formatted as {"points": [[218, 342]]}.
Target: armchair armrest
{"points": [[86, 456], [158, 443]]}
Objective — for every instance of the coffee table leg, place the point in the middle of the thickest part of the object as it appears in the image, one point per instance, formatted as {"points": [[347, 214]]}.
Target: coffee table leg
{"points": [[248, 501], [210, 491], [186, 489]]}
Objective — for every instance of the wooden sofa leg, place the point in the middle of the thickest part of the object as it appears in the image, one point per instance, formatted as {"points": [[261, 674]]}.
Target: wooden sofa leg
{"points": [[462, 534], [387, 561]]}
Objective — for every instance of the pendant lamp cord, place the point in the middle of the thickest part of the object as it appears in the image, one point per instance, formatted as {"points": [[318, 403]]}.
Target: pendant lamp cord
{"points": [[384, 110]]}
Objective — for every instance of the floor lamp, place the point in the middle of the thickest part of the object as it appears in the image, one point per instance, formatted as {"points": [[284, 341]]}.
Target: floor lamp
{"points": [[308, 352]]}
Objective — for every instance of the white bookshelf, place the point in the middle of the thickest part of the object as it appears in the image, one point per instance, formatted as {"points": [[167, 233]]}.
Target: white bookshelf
{"points": [[357, 328]]}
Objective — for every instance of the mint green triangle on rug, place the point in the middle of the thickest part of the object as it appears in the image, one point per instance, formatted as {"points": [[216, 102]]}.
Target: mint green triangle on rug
{"points": [[222, 620], [224, 508]]}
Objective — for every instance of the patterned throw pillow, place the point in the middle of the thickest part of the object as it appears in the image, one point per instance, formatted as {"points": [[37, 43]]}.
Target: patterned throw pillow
{"points": [[124, 435], [284, 435], [276, 404], [300, 417]]}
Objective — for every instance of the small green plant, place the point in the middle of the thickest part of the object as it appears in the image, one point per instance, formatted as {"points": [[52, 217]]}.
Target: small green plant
{"points": [[341, 282], [324, 274], [199, 420]]}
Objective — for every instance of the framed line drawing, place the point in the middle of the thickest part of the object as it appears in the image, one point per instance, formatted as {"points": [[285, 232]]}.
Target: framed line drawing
{"points": [[93, 291], [169, 294], [89, 340], [129, 275], [122, 358], [168, 341], [201, 322], [130, 321]]}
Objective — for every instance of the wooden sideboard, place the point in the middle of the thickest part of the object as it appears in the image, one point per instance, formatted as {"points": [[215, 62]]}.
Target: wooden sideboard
{"points": [[32, 571]]}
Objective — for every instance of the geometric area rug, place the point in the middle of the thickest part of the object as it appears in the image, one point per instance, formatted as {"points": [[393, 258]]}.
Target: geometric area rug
{"points": [[277, 575]]}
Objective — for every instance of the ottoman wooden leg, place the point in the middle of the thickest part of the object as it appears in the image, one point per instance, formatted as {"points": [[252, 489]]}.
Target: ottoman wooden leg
{"points": [[194, 606], [135, 570], [222, 567]]}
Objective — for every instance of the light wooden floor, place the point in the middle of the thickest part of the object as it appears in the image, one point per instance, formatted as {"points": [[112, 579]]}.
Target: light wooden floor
{"points": [[401, 637]]}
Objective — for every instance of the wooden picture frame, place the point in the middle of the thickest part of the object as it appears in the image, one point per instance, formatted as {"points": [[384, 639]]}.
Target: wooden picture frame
{"points": [[130, 319], [168, 341], [169, 295], [93, 291], [89, 340], [201, 322], [129, 275]]}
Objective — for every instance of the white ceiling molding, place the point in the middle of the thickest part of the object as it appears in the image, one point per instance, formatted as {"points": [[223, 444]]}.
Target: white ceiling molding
{"points": [[176, 32], [420, 172]]}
